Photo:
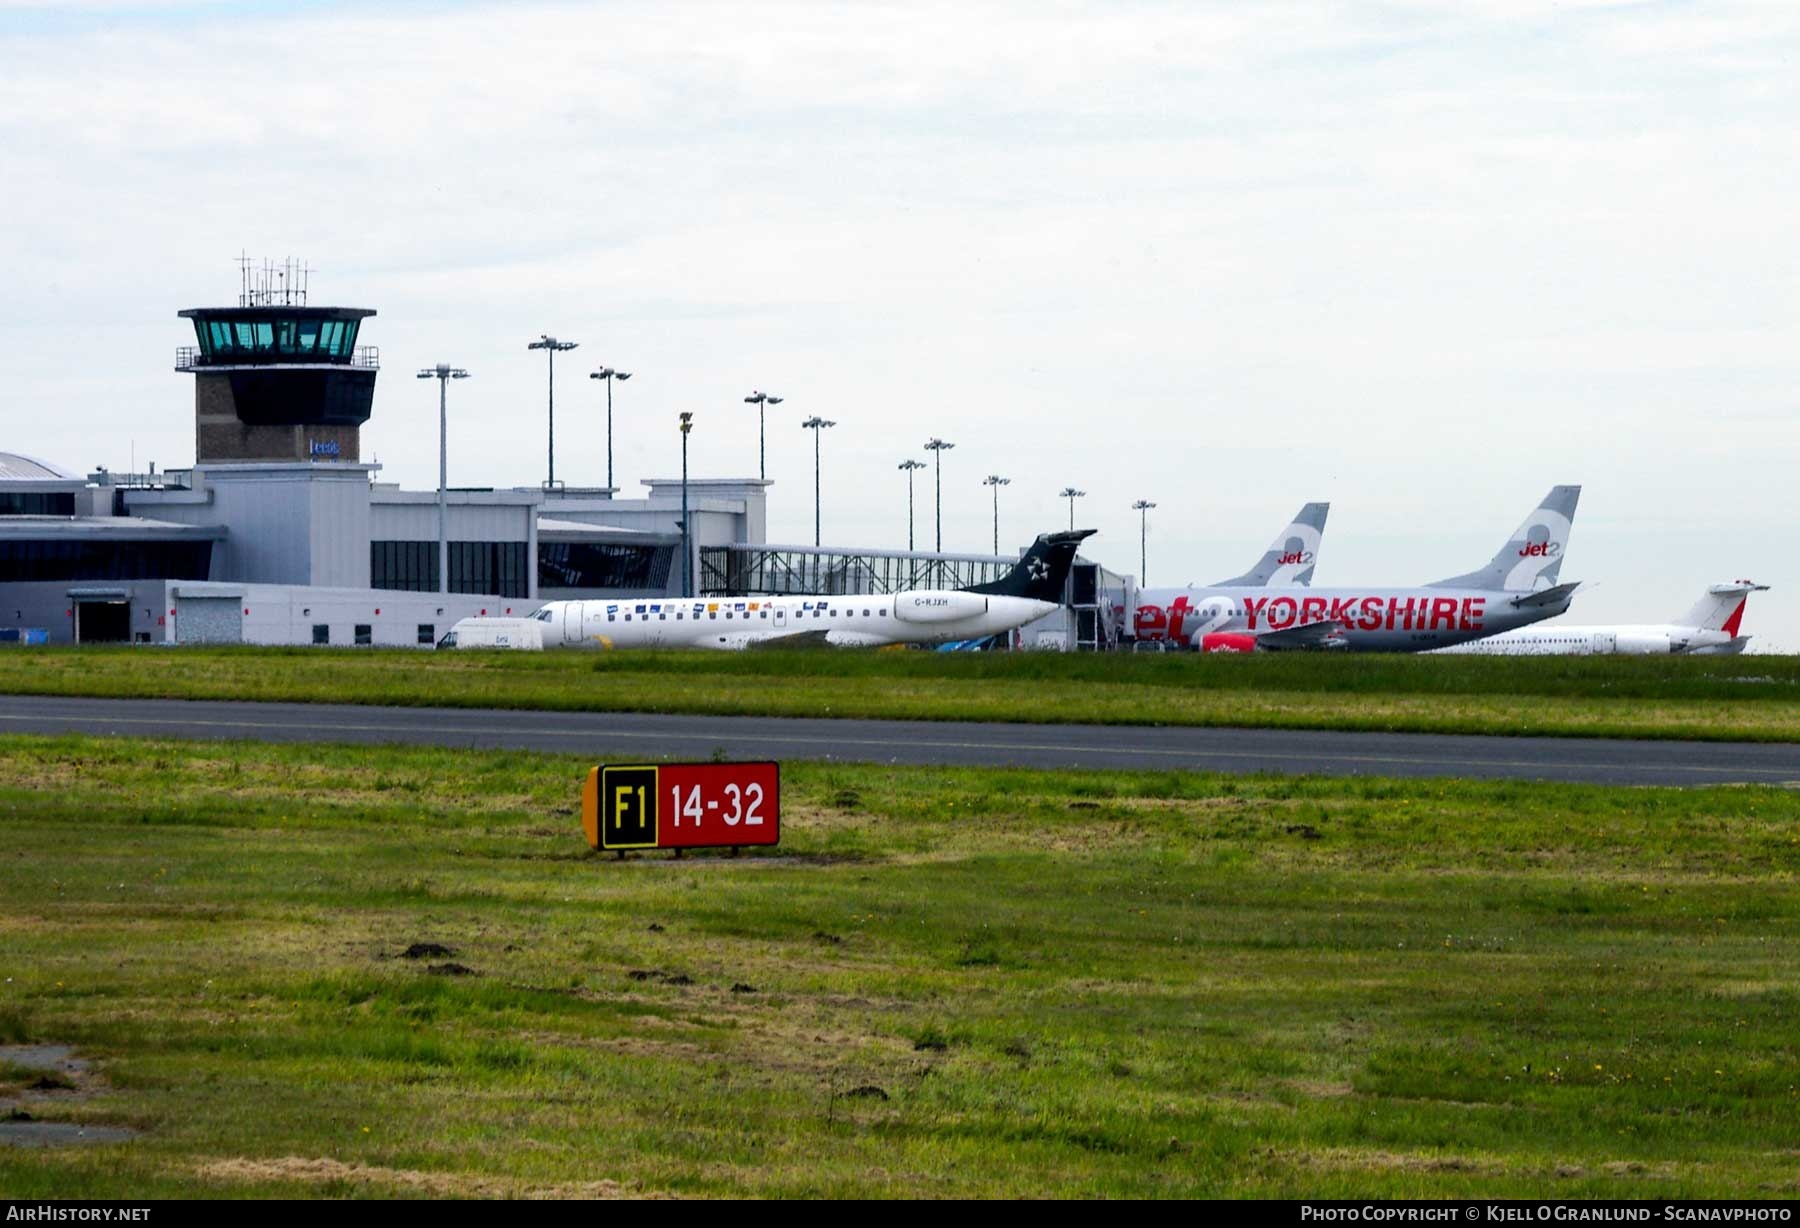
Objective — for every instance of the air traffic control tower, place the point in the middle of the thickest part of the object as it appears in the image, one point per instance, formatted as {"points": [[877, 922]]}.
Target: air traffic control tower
{"points": [[276, 379]]}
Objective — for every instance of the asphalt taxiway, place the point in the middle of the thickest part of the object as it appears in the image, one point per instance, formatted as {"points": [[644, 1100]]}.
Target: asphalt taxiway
{"points": [[621, 737]]}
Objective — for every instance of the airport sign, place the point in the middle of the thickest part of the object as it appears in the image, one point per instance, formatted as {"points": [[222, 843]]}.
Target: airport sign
{"points": [[681, 805]]}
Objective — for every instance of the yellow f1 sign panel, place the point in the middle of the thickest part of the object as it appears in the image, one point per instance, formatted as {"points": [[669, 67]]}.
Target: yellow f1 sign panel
{"points": [[682, 805], [618, 808]]}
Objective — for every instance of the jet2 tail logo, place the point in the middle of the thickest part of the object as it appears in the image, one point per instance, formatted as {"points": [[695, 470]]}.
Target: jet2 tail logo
{"points": [[1540, 550], [1295, 557]]}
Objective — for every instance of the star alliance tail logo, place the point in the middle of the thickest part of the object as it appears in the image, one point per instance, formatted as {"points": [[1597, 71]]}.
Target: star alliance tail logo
{"points": [[1039, 569]]}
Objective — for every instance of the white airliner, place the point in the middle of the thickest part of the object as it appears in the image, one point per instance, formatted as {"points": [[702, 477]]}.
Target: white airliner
{"points": [[1032, 589], [1709, 629]]}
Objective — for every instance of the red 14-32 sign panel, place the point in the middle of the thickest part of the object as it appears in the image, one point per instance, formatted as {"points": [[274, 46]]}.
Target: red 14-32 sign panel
{"points": [[682, 805]]}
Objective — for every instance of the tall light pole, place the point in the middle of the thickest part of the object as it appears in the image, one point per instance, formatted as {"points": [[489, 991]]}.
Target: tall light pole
{"points": [[1071, 494], [940, 447], [687, 552], [760, 400], [609, 375], [996, 481], [443, 374], [1142, 508], [550, 345], [815, 424], [908, 465]]}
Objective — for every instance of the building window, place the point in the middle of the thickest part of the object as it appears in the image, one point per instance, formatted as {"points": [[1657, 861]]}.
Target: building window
{"points": [[427, 633], [104, 560], [408, 566], [364, 634], [321, 633], [475, 567], [581, 565], [36, 503]]}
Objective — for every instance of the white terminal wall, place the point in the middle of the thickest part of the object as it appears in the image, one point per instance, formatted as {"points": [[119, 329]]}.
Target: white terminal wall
{"points": [[287, 523], [270, 614], [311, 523]]}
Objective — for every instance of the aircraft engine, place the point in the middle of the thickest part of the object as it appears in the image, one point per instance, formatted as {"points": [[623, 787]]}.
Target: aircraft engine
{"points": [[938, 607], [1644, 645], [1226, 641]]}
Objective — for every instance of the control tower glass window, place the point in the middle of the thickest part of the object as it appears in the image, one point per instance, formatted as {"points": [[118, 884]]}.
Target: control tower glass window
{"points": [[276, 339]]}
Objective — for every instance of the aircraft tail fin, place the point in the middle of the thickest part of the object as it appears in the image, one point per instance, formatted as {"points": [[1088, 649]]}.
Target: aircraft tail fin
{"points": [[1722, 609], [1532, 558], [1290, 557], [1041, 574]]}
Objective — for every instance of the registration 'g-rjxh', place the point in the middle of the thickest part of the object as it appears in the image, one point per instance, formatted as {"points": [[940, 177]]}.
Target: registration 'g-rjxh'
{"points": [[1032, 589], [1519, 586]]}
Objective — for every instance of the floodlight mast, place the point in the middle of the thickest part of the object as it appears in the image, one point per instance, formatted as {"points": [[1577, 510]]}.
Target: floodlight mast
{"points": [[760, 400], [940, 447], [443, 373], [550, 345], [816, 424], [1071, 494], [687, 563], [996, 481], [1142, 508], [908, 466], [609, 375]]}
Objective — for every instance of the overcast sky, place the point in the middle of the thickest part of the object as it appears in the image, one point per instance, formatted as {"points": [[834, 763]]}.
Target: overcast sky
{"points": [[1423, 260]]}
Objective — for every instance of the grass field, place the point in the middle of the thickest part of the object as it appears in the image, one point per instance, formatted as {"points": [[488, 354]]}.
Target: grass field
{"points": [[945, 982], [1750, 698]]}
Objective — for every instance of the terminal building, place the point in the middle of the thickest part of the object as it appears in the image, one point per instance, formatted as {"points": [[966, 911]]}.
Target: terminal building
{"points": [[280, 533]]}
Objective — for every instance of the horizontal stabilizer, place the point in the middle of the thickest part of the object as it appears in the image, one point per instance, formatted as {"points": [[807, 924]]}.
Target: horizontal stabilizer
{"points": [[1559, 595], [1322, 634]]}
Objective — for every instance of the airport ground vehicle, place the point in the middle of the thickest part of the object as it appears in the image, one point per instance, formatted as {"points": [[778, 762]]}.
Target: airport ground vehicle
{"points": [[526, 633]]}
